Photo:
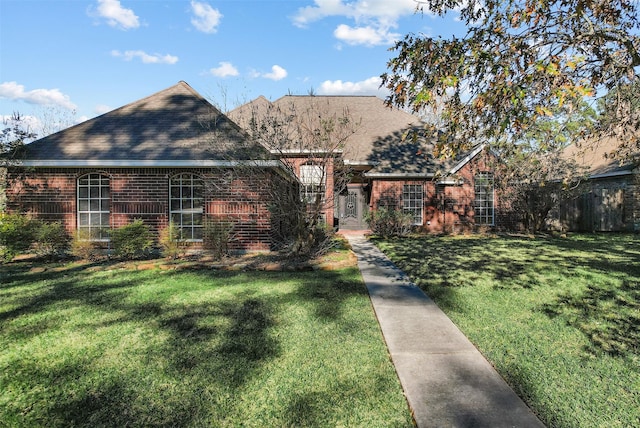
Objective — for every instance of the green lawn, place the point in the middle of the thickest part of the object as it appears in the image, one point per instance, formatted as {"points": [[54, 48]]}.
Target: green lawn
{"points": [[106, 346], [558, 318]]}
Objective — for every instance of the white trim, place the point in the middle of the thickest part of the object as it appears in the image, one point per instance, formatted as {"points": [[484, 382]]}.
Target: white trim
{"points": [[302, 151], [399, 175], [359, 163], [450, 182], [127, 163], [468, 158]]}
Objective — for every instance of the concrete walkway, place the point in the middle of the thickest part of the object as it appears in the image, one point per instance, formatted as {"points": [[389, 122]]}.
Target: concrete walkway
{"points": [[446, 380]]}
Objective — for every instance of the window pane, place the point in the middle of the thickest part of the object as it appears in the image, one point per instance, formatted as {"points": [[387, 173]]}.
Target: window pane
{"points": [[197, 233], [197, 218], [83, 219], [187, 204], [93, 205], [94, 219], [198, 192]]}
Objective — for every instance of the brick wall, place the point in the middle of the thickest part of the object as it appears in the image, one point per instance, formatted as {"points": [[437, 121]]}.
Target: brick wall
{"points": [[328, 163], [241, 197], [447, 207]]}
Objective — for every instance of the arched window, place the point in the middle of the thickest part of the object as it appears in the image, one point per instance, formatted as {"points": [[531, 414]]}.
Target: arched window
{"points": [[186, 205], [313, 179], [94, 200]]}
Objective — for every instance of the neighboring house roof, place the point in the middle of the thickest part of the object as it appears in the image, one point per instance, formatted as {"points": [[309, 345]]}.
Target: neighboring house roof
{"points": [[381, 140], [173, 127], [593, 156]]}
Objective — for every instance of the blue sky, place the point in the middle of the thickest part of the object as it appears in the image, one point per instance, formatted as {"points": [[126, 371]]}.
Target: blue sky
{"points": [[72, 60]]}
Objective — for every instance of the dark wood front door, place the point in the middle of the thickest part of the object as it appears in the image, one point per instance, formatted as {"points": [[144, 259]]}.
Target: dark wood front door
{"points": [[352, 207]]}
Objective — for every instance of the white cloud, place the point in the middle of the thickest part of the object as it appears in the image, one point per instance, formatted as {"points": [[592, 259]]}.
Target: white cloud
{"points": [[373, 19], [368, 36], [101, 109], [116, 15], [206, 18], [45, 97], [370, 86], [358, 10], [145, 57], [225, 69], [277, 73]]}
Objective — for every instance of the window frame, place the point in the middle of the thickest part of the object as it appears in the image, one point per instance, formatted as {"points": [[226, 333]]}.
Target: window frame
{"points": [[412, 204], [91, 189], [312, 183], [187, 210], [484, 199]]}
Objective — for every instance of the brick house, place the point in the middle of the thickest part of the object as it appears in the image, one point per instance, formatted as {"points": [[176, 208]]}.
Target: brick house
{"points": [[169, 157], [382, 167]]}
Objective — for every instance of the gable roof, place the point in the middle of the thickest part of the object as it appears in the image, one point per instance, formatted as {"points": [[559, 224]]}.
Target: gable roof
{"points": [[593, 157], [173, 127], [380, 139]]}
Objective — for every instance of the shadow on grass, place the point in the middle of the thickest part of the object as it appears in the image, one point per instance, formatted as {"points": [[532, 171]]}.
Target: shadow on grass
{"points": [[607, 312], [608, 316], [214, 343]]}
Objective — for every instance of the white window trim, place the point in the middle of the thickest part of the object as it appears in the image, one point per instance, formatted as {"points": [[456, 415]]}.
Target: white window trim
{"points": [[192, 210], [418, 203], [312, 176], [89, 211], [481, 210]]}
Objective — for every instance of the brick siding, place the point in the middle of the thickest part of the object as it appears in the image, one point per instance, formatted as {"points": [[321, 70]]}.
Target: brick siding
{"points": [[447, 208], [241, 197]]}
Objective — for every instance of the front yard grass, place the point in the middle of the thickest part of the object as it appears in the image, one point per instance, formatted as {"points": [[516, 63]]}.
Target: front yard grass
{"points": [[114, 346], [558, 318]]}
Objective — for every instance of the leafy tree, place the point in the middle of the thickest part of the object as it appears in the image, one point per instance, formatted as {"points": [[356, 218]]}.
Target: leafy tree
{"points": [[534, 174], [623, 100], [519, 61], [14, 135]]}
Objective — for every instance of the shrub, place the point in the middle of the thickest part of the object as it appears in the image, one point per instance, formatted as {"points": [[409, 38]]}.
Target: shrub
{"points": [[17, 233], [171, 243], [388, 222], [132, 241], [52, 239], [84, 247], [216, 237]]}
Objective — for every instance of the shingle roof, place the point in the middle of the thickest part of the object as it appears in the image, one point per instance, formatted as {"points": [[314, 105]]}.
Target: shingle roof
{"points": [[175, 124], [379, 140], [593, 156]]}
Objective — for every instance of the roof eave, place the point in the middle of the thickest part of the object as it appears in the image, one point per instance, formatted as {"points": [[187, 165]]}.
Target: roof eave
{"points": [[139, 163], [428, 175]]}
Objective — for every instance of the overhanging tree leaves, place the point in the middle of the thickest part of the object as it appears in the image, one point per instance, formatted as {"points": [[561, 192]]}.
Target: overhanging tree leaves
{"points": [[519, 62]]}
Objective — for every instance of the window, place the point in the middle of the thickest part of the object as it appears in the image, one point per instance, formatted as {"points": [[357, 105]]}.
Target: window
{"points": [[313, 182], [484, 213], [93, 207], [412, 201], [186, 205]]}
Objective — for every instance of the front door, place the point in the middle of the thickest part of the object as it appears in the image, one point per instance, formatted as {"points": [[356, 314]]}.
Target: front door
{"points": [[352, 208]]}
